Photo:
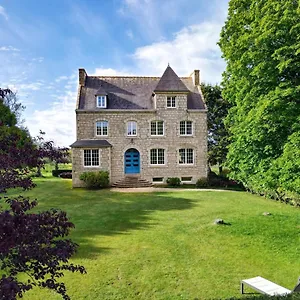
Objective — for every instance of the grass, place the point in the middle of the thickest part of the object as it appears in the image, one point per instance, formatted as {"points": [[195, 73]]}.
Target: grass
{"points": [[165, 246]]}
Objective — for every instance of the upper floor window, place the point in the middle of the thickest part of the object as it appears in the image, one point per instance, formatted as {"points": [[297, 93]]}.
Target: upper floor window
{"points": [[91, 158], [157, 128], [102, 128], [186, 156], [131, 128], [157, 156], [186, 128], [171, 101], [101, 101]]}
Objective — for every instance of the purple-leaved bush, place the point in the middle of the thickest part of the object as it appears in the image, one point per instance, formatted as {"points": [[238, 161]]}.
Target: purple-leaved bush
{"points": [[30, 243]]}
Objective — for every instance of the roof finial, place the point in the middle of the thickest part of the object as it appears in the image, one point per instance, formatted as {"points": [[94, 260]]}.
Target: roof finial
{"points": [[168, 64]]}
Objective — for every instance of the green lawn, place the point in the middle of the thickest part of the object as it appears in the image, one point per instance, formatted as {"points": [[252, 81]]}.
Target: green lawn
{"points": [[165, 246]]}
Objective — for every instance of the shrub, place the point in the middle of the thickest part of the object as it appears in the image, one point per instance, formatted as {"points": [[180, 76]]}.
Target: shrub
{"points": [[95, 180], [202, 182], [67, 175], [56, 173], [173, 181]]}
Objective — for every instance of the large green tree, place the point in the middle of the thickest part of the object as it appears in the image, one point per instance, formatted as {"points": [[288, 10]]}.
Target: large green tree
{"points": [[260, 42], [217, 133]]}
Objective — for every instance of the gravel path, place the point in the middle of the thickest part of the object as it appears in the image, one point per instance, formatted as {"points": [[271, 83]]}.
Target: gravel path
{"points": [[157, 189]]}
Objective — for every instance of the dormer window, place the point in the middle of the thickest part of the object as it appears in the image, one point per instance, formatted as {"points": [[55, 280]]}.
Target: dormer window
{"points": [[171, 102], [101, 101]]}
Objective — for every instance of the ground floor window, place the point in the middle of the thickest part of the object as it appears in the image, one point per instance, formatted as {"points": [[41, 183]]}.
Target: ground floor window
{"points": [[91, 157], [157, 156], [186, 156]]}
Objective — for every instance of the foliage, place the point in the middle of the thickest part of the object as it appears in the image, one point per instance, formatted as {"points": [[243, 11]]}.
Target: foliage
{"points": [[30, 243], [218, 137], [95, 180], [202, 182], [260, 43], [67, 175], [10, 99], [56, 173], [173, 181], [218, 181]]}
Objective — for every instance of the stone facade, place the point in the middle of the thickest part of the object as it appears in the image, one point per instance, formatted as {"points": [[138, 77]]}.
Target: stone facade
{"points": [[112, 158]]}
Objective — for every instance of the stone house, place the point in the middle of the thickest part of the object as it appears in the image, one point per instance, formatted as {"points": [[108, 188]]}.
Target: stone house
{"points": [[149, 128]]}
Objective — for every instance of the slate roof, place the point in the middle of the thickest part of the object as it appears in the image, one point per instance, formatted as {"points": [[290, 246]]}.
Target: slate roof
{"points": [[91, 144], [170, 82], [101, 91], [129, 92]]}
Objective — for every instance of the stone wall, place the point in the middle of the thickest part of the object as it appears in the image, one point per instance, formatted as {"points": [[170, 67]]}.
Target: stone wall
{"points": [[143, 142]]}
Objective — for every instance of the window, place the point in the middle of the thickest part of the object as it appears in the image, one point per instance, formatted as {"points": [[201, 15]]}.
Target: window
{"points": [[91, 158], [131, 128], [157, 128], [101, 128], [158, 179], [186, 128], [157, 156], [186, 156], [101, 101], [186, 179], [171, 101]]}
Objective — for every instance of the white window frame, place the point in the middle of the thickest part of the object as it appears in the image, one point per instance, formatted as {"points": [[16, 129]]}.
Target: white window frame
{"points": [[185, 157], [173, 101], [156, 127], [91, 151], [103, 101], [130, 128], [185, 128], [101, 128], [164, 156]]}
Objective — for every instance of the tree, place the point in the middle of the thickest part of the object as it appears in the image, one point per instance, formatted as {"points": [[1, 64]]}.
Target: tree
{"points": [[218, 139], [30, 243], [260, 43], [11, 100]]}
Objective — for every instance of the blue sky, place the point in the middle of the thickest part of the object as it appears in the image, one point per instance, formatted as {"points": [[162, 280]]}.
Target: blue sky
{"points": [[43, 43]]}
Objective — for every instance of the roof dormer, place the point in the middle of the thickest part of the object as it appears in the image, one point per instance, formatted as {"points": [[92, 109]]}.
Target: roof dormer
{"points": [[101, 98]]}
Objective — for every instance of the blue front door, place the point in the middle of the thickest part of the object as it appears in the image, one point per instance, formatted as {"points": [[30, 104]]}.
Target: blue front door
{"points": [[132, 161]]}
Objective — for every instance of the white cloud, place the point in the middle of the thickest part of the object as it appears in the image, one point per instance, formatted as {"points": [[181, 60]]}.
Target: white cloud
{"points": [[193, 47], [61, 78], [9, 48], [3, 13], [110, 72], [58, 121]]}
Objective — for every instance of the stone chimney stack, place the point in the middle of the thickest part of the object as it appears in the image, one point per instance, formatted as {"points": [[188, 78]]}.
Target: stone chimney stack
{"points": [[196, 77], [82, 77]]}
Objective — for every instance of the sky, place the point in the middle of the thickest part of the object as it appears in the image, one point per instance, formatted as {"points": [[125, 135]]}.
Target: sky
{"points": [[44, 42]]}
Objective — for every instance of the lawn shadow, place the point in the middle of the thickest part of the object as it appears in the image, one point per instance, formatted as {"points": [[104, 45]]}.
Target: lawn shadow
{"points": [[119, 215]]}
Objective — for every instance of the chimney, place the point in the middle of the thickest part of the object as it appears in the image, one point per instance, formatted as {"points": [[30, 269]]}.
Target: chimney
{"points": [[82, 77], [196, 77]]}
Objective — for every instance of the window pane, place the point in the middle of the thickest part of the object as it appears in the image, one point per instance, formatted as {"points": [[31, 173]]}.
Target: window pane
{"points": [[160, 128], [182, 156], [189, 156], [182, 127], [153, 156], [87, 157], [188, 127], [153, 128], [161, 156], [95, 157]]}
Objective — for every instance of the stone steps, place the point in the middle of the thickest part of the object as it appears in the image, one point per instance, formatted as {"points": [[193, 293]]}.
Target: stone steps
{"points": [[131, 182]]}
